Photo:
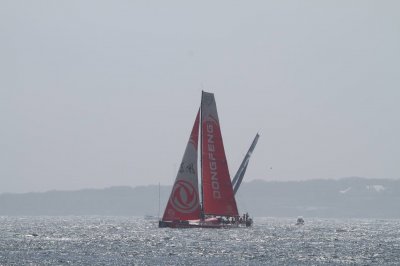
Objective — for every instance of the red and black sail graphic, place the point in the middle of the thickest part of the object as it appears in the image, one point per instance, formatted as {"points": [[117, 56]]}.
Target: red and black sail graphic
{"points": [[184, 202]]}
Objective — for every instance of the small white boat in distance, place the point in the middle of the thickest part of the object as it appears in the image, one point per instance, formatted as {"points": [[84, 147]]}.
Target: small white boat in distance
{"points": [[300, 221], [150, 217]]}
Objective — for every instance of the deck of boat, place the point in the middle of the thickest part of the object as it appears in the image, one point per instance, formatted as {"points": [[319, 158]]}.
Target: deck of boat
{"points": [[200, 224]]}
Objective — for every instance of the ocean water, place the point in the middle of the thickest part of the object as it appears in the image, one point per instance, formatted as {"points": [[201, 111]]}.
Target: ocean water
{"points": [[136, 241]]}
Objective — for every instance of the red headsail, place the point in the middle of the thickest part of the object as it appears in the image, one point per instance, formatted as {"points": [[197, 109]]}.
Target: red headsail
{"points": [[218, 196], [184, 203]]}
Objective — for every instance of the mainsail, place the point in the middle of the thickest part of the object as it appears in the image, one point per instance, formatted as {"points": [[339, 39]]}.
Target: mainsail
{"points": [[184, 203], [218, 197], [237, 180]]}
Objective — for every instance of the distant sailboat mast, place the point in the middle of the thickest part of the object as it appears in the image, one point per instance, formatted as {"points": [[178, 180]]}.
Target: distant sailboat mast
{"points": [[159, 194]]}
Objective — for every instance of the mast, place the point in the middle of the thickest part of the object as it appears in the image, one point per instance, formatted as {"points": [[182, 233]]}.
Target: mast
{"points": [[201, 159]]}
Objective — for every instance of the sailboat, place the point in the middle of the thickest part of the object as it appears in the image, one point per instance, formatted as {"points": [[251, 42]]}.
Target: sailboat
{"points": [[215, 205]]}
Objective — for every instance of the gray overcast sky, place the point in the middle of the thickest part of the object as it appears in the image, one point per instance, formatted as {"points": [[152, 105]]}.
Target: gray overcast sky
{"points": [[102, 93]]}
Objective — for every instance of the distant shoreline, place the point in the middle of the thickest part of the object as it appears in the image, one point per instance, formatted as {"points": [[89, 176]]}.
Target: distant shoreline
{"points": [[324, 198]]}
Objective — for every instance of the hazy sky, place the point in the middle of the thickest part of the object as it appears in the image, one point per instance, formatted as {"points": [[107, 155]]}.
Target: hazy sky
{"points": [[104, 93]]}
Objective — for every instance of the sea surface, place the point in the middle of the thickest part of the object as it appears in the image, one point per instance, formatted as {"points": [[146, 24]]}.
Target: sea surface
{"points": [[81, 240]]}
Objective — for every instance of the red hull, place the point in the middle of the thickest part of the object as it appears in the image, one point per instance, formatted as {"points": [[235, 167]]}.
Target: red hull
{"points": [[183, 224], [187, 224]]}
